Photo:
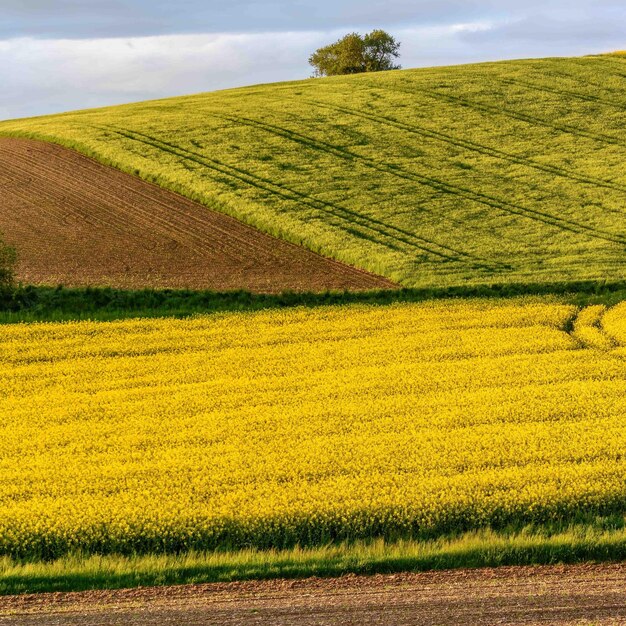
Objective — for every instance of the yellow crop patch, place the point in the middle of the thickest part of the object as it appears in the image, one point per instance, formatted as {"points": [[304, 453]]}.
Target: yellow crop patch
{"points": [[307, 425]]}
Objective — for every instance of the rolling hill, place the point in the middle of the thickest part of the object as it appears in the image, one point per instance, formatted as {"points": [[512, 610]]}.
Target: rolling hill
{"points": [[508, 172]]}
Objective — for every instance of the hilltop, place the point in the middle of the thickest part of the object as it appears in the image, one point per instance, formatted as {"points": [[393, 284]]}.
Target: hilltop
{"points": [[508, 172]]}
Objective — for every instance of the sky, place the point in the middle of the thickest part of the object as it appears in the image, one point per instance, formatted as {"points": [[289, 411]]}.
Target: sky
{"points": [[60, 55]]}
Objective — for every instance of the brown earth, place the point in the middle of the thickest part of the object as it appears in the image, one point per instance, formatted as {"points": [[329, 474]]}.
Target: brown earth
{"points": [[77, 222], [582, 594]]}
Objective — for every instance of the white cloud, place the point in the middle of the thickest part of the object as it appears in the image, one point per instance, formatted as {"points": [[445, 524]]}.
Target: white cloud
{"points": [[493, 40], [39, 75]]}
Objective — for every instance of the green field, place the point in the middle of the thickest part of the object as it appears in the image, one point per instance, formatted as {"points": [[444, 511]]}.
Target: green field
{"points": [[496, 173]]}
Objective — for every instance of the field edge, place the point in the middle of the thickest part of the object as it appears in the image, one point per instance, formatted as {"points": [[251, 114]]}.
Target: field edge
{"points": [[267, 227], [59, 304], [477, 549]]}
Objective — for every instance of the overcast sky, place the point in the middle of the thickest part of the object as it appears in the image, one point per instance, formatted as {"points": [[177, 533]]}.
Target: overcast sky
{"points": [[58, 55]]}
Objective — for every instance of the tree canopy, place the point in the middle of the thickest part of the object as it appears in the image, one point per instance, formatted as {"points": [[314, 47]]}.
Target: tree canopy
{"points": [[355, 53]]}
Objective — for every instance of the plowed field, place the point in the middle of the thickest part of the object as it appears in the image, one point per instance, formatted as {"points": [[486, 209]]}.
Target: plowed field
{"points": [[585, 594], [76, 222]]}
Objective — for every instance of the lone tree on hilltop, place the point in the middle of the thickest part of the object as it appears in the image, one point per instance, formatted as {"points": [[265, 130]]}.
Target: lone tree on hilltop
{"points": [[354, 53]]}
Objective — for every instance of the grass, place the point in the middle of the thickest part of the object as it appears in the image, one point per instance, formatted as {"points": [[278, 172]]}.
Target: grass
{"points": [[60, 304], [507, 173], [484, 548]]}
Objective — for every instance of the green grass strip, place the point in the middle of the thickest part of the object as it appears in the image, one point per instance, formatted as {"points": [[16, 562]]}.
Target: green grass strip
{"points": [[56, 304], [582, 543]]}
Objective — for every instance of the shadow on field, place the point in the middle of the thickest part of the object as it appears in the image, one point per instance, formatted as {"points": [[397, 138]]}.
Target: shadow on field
{"points": [[32, 303]]}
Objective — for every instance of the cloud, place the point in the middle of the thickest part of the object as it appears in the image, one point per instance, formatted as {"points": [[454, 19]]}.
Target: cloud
{"points": [[82, 19], [549, 29], [40, 76], [104, 18]]}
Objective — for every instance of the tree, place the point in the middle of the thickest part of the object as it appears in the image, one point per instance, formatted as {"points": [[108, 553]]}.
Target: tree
{"points": [[342, 57], [354, 54], [380, 48]]}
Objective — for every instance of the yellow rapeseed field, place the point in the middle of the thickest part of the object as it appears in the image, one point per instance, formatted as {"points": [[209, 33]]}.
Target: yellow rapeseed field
{"points": [[308, 425]]}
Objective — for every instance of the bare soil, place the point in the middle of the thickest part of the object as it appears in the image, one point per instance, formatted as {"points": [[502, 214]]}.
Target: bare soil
{"points": [[77, 222], [582, 594]]}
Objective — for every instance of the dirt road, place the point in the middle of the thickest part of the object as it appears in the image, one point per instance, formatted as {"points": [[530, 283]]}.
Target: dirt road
{"points": [[543, 595], [76, 222]]}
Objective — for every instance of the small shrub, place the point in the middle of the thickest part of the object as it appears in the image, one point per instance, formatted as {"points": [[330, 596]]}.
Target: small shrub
{"points": [[8, 258]]}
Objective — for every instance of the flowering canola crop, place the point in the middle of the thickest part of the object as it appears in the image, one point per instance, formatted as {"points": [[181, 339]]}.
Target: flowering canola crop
{"points": [[308, 425]]}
